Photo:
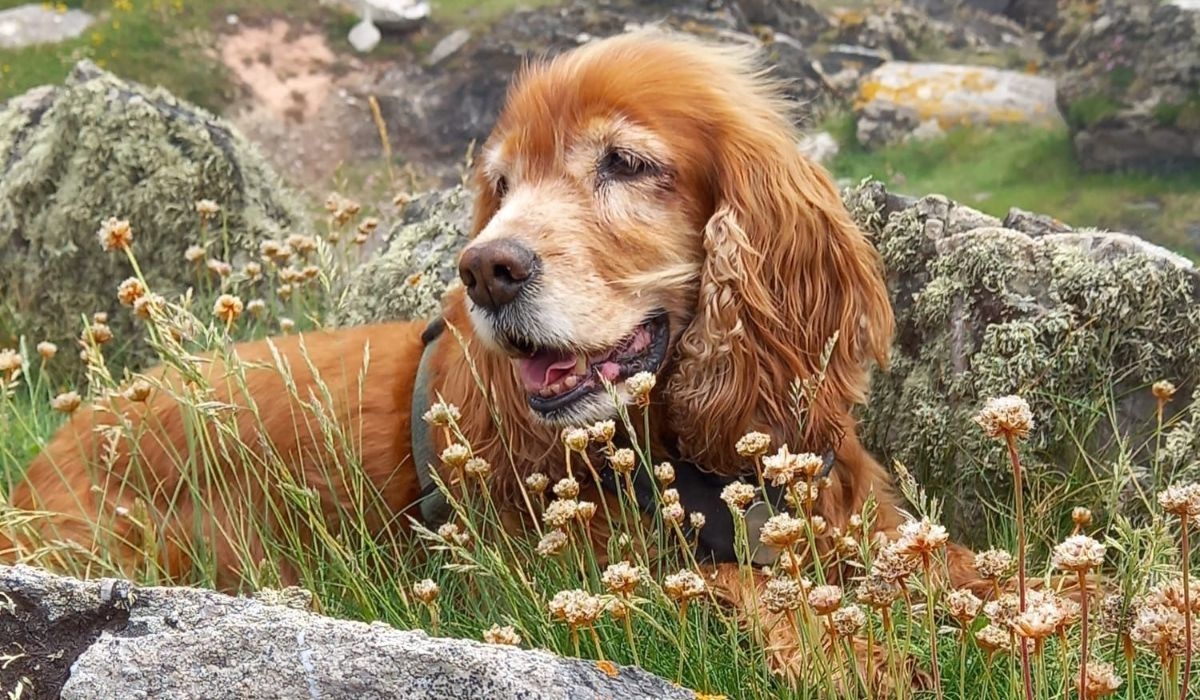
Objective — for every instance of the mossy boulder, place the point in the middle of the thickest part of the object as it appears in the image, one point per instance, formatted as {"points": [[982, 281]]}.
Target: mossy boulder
{"points": [[98, 147]]}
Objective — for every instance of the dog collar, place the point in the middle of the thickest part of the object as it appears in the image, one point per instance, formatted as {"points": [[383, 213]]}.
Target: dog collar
{"points": [[435, 509]]}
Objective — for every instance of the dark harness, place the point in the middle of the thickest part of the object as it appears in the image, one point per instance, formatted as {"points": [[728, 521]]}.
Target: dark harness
{"points": [[699, 491]]}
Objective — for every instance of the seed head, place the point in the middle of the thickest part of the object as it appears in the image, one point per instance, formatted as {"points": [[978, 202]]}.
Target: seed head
{"points": [[47, 350], [878, 592], [98, 334], [287, 325], [738, 495], [1163, 390], [455, 456], [672, 512], [825, 599], [227, 308], [782, 594], [138, 391], [1002, 612], [207, 209], [922, 536], [781, 531], [559, 513], [1007, 416], [994, 564], [640, 385], [602, 432], [130, 291], [10, 361], [195, 254], [621, 578], [552, 543], [684, 586], [252, 271], [585, 511], [783, 467], [66, 402], [849, 620], [993, 638], [503, 636], [1082, 517], [575, 439], [697, 520], [1160, 628], [219, 268], [1100, 680], [145, 307], [623, 460], [963, 606], [576, 607], [477, 467], [894, 563], [115, 234], [1078, 553], [537, 483], [442, 414], [664, 472], [753, 444], [566, 488], [426, 591], [256, 307], [1181, 500]]}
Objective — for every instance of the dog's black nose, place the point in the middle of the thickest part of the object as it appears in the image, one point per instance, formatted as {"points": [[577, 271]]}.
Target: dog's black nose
{"points": [[495, 272]]}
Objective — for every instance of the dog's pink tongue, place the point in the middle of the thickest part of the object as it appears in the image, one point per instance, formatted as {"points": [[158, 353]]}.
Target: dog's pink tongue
{"points": [[545, 368]]}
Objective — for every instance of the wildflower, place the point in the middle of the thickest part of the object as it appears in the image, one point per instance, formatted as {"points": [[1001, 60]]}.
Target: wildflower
{"points": [[1115, 618], [115, 234], [994, 564], [504, 636], [256, 307], [963, 606], [309, 272], [1042, 618], [98, 333], [664, 472], [825, 599], [1163, 390], [552, 543], [227, 308], [442, 414], [1006, 416], [781, 531], [819, 526], [537, 482], [1002, 611], [195, 254], [286, 325], [753, 444], [992, 638], [1161, 628], [426, 591], [449, 532], [621, 578], [849, 620], [559, 513], [477, 467], [10, 361], [670, 496], [780, 468], [455, 456], [894, 564], [878, 592], [1181, 500], [1100, 680], [100, 317], [585, 511], [138, 391], [207, 209], [252, 271], [130, 291], [697, 520], [640, 385], [738, 495], [368, 225], [303, 245], [684, 586], [401, 199], [1078, 553], [623, 460], [921, 537], [566, 488], [145, 306], [672, 512], [575, 439], [47, 350], [576, 607], [782, 594], [1082, 517], [602, 431], [618, 608]]}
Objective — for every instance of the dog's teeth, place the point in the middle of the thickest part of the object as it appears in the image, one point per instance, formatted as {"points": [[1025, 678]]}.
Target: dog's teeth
{"points": [[555, 388], [545, 392], [581, 365], [571, 381]]}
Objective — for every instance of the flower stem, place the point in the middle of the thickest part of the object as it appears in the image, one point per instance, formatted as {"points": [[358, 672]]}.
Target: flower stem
{"points": [[1019, 496], [1083, 643], [929, 605], [1187, 607]]}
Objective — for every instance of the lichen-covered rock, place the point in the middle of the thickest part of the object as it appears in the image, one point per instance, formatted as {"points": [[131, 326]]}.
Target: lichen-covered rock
{"points": [[899, 98], [97, 146], [1079, 322], [405, 279], [1131, 87], [108, 639]]}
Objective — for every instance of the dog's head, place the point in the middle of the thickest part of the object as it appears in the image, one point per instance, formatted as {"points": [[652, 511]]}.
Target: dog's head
{"points": [[643, 207]]}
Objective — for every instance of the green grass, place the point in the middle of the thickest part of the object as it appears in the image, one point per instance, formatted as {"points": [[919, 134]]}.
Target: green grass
{"points": [[1035, 170]]}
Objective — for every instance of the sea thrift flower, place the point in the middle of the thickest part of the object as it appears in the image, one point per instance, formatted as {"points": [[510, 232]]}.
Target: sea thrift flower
{"points": [[219, 267], [1082, 517], [921, 537], [782, 594], [504, 636], [994, 564], [684, 586], [537, 483], [640, 385], [442, 414], [1100, 680], [1181, 500], [426, 591], [477, 467], [623, 460], [207, 209], [552, 543], [781, 531], [697, 520], [576, 607], [1079, 553], [115, 234], [287, 325], [559, 513], [47, 350], [575, 439], [138, 391], [964, 606], [825, 599], [455, 456], [993, 638], [1163, 390], [602, 431], [195, 254], [130, 291], [664, 472], [849, 620], [566, 488], [256, 307], [10, 361], [1007, 415], [738, 495], [227, 308], [621, 578], [753, 444]]}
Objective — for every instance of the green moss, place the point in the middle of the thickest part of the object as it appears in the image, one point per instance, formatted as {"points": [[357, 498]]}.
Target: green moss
{"points": [[1090, 110], [1184, 114]]}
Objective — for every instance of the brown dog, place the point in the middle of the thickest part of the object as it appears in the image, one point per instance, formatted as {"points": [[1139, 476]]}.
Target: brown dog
{"points": [[642, 207]]}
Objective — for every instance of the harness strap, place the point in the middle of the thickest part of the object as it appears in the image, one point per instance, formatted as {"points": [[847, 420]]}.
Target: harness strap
{"points": [[435, 509]]}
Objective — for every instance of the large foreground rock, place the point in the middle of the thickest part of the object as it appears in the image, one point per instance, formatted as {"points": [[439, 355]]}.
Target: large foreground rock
{"points": [[107, 639], [96, 147], [1131, 90]]}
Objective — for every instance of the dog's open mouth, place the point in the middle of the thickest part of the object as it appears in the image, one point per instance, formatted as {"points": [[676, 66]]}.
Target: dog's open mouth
{"points": [[555, 378]]}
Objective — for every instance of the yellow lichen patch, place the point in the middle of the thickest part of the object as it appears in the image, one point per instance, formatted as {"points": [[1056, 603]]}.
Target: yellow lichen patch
{"points": [[608, 667]]}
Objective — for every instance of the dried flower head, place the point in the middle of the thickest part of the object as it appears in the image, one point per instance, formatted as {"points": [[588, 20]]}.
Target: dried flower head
{"points": [[368, 225], [575, 439], [145, 307], [1163, 390], [138, 390], [684, 585], [256, 307], [782, 594], [448, 531], [477, 467], [878, 592], [10, 361], [738, 495], [602, 431], [825, 599], [585, 510], [1161, 629], [621, 578], [783, 467], [1115, 617], [504, 636], [97, 334], [442, 414], [964, 606], [455, 455], [207, 209], [47, 350], [781, 531], [921, 537], [1082, 517], [1100, 680], [130, 291], [1007, 416], [849, 620], [252, 271], [66, 402], [664, 472], [1042, 617], [287, 325], [227, 308], [1182, 500], [697, 520], [672, 513], [576, 607], [994, 564], [1078, 553], [426, 591], [623, 460], [115, 234], [1002, 611], [559, 513], [566, 488], [993, 638], [552, 543], [640, 385], [894, 563], [195, 254], [753, 444], [219, 268]]}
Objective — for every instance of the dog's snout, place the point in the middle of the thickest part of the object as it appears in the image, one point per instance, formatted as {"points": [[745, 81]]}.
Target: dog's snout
{"points": [[494, 273]]}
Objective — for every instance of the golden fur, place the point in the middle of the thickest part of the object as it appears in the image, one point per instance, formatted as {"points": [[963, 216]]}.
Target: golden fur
{"points": [[742, 241]]}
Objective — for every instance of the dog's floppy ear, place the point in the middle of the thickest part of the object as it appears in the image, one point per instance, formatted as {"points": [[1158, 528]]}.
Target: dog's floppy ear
{"points": [[786, 274]]}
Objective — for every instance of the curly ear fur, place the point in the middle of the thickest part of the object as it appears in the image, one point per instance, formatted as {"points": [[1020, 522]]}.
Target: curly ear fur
{"points": [[786, 273]]}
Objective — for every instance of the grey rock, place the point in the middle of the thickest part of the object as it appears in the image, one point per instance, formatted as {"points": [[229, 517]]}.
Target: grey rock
{"points": [[183, 643], [32, 24], [97, 147], [1130, 88], [820, 147]]}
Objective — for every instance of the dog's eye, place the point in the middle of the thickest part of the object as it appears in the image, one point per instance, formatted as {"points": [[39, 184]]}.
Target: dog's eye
{"points": [[620, 164], [501, 186]]}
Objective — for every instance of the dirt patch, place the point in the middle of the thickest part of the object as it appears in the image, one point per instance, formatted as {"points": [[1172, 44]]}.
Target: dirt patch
{"points": [[37, 653]]}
